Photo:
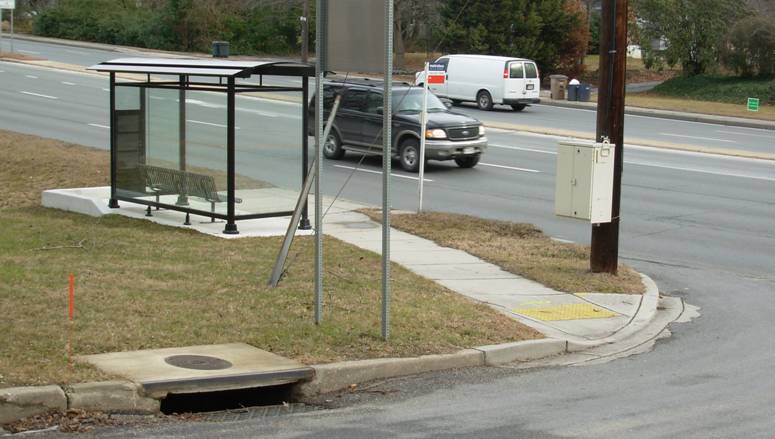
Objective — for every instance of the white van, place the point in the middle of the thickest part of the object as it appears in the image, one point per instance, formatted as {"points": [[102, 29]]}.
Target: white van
{"points": [[487, 80]]}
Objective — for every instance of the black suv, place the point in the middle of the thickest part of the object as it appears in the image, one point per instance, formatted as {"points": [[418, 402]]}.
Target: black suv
{"points": [[358, 125]]}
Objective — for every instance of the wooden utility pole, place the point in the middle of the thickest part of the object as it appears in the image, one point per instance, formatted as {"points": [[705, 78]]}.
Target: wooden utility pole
{"points": [[610, 125]]}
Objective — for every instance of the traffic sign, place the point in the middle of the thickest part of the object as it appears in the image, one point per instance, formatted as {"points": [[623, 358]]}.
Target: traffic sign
{"points": [[7, 4], [753, 104]]}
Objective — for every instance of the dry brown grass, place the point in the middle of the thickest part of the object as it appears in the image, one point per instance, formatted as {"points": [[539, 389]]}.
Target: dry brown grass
{"points": [[645, 100], [517, 248], [141, 285]]}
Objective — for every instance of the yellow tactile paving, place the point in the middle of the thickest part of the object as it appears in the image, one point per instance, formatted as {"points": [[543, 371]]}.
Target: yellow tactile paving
{"points": [[573, 311]]}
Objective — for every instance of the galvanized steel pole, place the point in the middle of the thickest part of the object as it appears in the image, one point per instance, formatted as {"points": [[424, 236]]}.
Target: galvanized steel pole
{"points": [[387, 141], [320, 45], [604, 256]]}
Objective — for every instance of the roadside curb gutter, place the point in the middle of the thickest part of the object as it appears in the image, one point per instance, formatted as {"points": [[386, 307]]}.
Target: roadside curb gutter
{"points": [[128, 397]]}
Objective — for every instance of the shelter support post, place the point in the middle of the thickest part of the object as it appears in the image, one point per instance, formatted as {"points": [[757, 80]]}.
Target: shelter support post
{"points": [[113, 203], [231, 225], [304, 224], [182, 198]]}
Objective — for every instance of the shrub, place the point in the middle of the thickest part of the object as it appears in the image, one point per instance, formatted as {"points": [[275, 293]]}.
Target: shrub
{"points": [[751, 47]]}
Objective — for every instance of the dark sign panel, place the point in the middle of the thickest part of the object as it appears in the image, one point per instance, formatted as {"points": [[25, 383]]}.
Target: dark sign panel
{"points": [[356, 36]]}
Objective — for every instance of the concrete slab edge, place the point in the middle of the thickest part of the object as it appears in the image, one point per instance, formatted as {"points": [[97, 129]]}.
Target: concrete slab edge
{"points": [[642, 318], [109, 396]]}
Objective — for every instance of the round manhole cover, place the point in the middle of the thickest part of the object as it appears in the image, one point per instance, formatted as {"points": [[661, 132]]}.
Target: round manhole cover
{"points": [[198, 362]]}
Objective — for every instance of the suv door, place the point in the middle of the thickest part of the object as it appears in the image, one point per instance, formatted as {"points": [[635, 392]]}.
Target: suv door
{"points": [[372, 122], [350, 115]]}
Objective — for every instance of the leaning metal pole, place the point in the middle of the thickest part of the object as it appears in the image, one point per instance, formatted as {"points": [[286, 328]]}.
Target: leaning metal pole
{"points": [[387, 141], [610, 124]]}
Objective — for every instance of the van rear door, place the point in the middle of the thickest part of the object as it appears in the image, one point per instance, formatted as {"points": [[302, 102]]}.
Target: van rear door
{"points": [[514, 80], [532, 81]]}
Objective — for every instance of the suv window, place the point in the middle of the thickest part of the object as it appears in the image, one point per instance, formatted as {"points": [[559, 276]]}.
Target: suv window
{"points": [[374, 101], [516, 70], [531, 70], [354, 99]]}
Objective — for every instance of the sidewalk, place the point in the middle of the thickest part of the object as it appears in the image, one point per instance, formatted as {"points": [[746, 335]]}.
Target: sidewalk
{"points": [[586, 319]]}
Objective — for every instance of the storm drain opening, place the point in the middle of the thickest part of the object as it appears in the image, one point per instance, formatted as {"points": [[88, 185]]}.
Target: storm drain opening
{"points": [[228, 399]]}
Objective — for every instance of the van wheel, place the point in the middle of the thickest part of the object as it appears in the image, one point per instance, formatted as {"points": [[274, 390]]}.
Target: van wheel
{"points": [[467, 161], [409, 155], [484, 100], [518, 107], [332, 148], [456, 101]]}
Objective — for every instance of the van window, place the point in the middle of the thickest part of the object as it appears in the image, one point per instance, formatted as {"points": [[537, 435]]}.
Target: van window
{"points": [[516, 70], [354, 100], [531, 70], [442, 61]]}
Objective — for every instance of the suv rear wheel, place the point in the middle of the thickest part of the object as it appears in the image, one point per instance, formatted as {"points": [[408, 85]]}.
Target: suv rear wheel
{"points": [[332, 148], [467, 161], [484, 100], [409, 155], [518, 107]]}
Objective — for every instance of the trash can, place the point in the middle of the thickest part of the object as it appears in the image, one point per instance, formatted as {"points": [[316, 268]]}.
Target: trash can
{"points": [[585, 90], [573, 92], [558, 85], [220, 49]]}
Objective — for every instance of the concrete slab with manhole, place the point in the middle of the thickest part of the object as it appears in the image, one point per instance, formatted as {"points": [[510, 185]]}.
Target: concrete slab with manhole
{"points": [[196, 369]]}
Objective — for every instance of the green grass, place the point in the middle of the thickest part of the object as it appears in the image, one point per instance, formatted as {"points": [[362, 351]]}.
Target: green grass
{"points": [[726, 89], [141, 285], [517, 248]]}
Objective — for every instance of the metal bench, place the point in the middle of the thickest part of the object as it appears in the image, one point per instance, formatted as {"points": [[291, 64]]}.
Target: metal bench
{"points": [[167, 181]]}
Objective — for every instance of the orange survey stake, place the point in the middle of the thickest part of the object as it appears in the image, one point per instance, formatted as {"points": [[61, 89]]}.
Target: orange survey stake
{"points": [[72, 296]]}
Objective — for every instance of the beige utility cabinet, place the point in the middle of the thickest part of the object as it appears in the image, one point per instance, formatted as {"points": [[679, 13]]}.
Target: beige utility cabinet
{"points": [[584, 186]]}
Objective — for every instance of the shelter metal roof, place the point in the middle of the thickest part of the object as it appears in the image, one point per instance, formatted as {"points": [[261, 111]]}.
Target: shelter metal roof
{"points": [[204, 67]]}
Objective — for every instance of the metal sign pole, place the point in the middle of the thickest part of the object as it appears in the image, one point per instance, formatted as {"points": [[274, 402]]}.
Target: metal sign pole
{"points": [[1, 30], [12, 30], [423, 127], [387, 141], [321, 35]]}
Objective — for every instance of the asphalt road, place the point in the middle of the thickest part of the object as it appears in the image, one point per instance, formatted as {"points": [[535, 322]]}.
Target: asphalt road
{"points": [[700, 225], [539, 116]]}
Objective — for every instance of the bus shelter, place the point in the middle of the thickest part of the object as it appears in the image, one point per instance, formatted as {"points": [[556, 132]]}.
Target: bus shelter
{"points": [[175, 142]]}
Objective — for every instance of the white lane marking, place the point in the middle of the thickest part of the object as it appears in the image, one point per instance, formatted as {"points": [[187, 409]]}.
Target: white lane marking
{"points": [[38, 95], [31, 76], [2, 71], [517, 148], [771, 136], [209, 124], [157, 98], [105, 89], [96, 125], [263, 113], [28, 51], [77, 52], [535, 171], [701, 171], [203, 103], [68, 83], [380, 173], [696, 137]]}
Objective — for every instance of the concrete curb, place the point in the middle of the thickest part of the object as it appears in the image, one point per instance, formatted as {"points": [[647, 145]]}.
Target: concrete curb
{"points": [[109, 396], [127, 397]]}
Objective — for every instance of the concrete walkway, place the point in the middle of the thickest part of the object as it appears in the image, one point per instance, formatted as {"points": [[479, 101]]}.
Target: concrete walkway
{"points": [[586, 319]]}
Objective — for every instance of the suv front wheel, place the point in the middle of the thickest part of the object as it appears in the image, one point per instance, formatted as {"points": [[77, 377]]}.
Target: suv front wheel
{"points": [[409, 155], [467, 161], [332, 148]]}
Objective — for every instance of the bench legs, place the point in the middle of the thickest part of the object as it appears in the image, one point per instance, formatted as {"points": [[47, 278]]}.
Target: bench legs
{"points": [[188, 220], [148, 211]]}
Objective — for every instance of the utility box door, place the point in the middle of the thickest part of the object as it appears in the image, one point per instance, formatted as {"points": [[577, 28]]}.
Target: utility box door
{"points": [[584, 181]]}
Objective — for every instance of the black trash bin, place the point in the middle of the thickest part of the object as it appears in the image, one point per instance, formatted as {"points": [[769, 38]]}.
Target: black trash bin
{"points": [[585, 90], [573, 92], [220, 49]]}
